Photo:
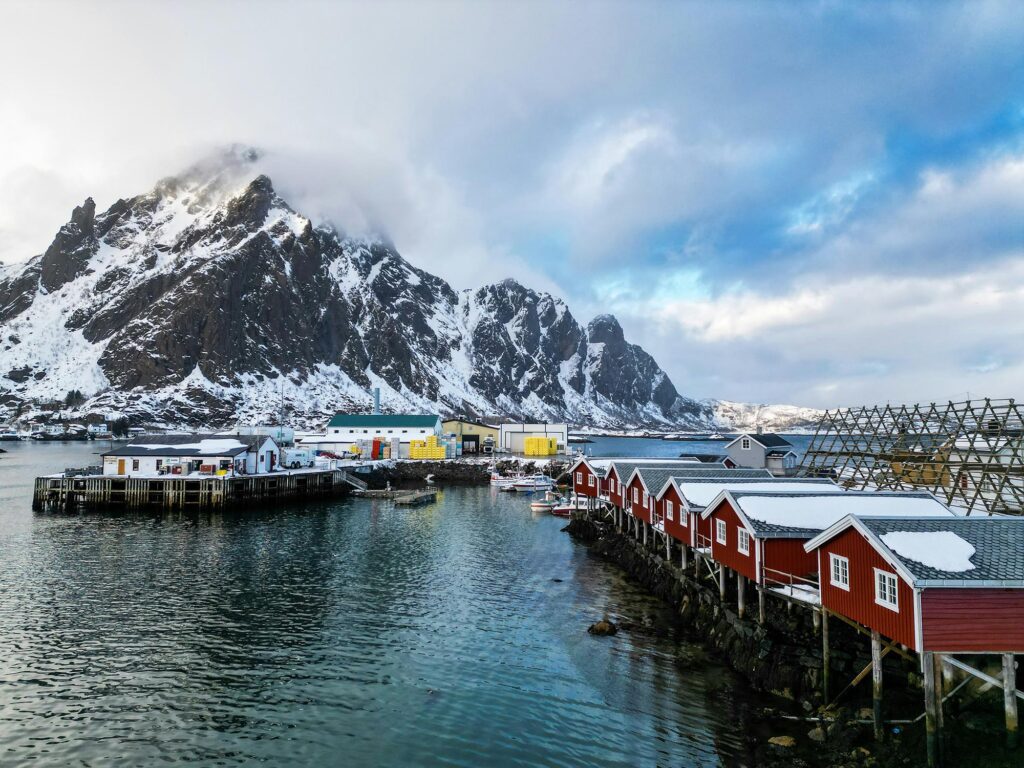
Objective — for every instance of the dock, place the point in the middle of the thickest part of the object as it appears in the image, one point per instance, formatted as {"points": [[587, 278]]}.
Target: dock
{"points": [[117, 492], [399, 496]]}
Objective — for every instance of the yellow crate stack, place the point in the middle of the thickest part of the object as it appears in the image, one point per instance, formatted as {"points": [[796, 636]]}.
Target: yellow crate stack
{"points": [[426, 449], [540, 446]]}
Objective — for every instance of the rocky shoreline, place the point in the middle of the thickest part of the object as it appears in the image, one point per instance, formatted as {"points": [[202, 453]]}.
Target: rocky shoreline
{"points": [[783, 658]]}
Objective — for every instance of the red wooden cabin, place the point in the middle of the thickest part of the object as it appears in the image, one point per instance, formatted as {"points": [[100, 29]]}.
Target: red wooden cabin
{"points": [[587, 478], [690, 492], [762, 534], [933, 584]]}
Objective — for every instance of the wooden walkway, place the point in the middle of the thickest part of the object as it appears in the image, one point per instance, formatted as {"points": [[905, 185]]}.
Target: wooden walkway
{"points": [[114, 492]]}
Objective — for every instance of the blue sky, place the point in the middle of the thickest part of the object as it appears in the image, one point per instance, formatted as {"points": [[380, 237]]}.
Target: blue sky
{"points": [[819, 203]]}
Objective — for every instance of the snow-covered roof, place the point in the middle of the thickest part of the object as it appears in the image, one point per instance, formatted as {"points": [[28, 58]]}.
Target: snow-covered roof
{"points": [[805, 514], [699, 492], [189, 445]]}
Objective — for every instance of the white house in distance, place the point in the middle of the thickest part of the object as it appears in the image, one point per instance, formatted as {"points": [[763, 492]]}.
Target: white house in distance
{"points": [[347, 428], [194, 454], [764, 450], [512, 437]]}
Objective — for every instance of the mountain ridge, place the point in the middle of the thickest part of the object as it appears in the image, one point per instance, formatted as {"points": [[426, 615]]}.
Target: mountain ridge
{"points": [[202, 302]]}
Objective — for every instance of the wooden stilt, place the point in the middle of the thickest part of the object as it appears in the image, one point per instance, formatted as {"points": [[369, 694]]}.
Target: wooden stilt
{"points": [[876, 683], [931, 719], [939, 711], [682, 556], [645, 532], [721, 583], [1010, 699], [816, 621], [741, 603], [760, 604], [825, 656]]}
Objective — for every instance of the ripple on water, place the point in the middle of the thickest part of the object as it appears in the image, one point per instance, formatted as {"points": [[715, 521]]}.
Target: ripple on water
{"points": [[352, 632]]}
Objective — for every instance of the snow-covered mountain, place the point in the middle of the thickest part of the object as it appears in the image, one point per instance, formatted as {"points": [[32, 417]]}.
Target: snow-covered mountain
{"points": [[209, 300], [747, 417]]}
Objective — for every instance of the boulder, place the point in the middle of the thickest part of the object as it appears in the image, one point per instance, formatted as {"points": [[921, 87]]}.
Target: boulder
{"points": [[602, 627], [782, 741]]}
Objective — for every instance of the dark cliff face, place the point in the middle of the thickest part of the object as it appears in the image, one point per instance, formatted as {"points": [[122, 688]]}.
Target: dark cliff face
{"points": [[182, 304]]}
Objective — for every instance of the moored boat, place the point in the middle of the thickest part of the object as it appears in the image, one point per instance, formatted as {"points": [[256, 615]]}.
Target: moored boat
{"points": [[533, 483]]}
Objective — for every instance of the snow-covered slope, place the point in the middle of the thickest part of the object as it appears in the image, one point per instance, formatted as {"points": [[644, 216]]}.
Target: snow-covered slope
{"points": [[208, 301], [745, 417]]}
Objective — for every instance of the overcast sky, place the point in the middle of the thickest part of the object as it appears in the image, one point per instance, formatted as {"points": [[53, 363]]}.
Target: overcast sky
{"points": [[818, 203]]}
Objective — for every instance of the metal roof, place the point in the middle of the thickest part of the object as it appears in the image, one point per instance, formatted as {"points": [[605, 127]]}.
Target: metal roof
{"points": [[998, 548], [655, 478], [164, 445], [769, 530], [385, 420], [767, 439]]}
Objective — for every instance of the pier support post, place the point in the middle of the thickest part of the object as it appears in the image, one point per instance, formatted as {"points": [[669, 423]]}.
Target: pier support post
{"points": [[1010, 699], [645, 531], [682, 556], [876, 683], [668, 548], [816, 621], [760, 604], [741, 601], [721, 583], [825, 656], [931, 711]]}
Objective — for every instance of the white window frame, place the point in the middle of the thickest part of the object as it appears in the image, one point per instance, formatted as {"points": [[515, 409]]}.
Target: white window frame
{"points": [[743, 541], [579, 478], [721, 532], [669, 511], [883, 600], [636, 495], [745, 443], [611, 485], [684, 517], [590, 481], [838, 568]]}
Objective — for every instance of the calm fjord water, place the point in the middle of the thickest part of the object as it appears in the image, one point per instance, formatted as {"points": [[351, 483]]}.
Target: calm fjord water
{"points": [[343, 633]]}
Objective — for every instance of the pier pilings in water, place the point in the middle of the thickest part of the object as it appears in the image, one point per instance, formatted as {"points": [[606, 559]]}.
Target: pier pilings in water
{"points": [[117, 492]]}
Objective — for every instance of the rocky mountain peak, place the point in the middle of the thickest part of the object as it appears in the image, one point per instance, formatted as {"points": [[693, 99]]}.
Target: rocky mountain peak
{"points": [[211, 296], [605, 329]]}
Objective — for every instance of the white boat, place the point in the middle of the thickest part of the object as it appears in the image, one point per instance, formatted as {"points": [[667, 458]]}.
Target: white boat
{"points": [[9, 435], [533, 483], [566, 507], [502, 482]]}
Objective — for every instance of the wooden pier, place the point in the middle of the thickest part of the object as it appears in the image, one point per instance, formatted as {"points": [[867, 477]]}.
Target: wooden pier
{"points": [[116, 492], [400, 496]]}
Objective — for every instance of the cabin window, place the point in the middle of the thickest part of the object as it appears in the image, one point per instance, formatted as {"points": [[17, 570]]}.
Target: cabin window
{"points": [[636, 495], [743, 541], [684, 519], [745, 444], [159, 463], [135, 465], [840, 568], [590, 481], [579, 478], [611, 486], [720, 532], [885, 590], [645, 498], [669, 512], [366, 431], [404, 431]]}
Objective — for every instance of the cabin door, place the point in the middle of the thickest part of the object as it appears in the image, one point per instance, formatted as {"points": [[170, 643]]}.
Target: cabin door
{"points": [[271, 458], [120, 466]]}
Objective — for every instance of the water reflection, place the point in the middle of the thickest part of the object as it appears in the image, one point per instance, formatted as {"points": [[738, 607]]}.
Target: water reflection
{"points": [[351, 632]]}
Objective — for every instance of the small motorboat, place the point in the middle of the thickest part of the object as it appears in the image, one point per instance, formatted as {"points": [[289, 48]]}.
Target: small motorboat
{"points": [[502, 482], [533, 483], [550, 501]]}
